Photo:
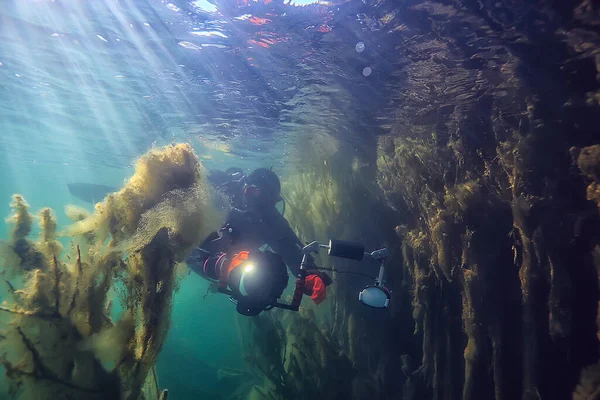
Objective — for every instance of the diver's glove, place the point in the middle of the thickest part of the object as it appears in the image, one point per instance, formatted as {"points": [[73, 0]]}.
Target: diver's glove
{"points": [[316, 285]]}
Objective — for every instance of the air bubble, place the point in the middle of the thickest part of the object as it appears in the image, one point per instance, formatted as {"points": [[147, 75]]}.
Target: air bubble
{"points": [[367, 71]]}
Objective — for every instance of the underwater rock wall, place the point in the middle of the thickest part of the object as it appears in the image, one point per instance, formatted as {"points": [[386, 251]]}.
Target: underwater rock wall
{"points": [[485, 172], [58, 338]]}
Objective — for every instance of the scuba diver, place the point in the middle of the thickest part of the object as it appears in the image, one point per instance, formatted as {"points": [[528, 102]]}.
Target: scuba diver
{"points": [[236, 258]]}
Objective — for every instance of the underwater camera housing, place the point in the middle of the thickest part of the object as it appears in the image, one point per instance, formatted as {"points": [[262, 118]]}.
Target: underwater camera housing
{"points": [[256, 280]]}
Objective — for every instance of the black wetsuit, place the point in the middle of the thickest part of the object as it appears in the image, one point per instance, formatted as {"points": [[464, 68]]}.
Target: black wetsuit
{"points": [[249, 229]]}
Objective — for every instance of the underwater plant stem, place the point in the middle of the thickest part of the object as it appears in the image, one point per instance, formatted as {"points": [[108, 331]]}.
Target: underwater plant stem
{"points": [[56, 282], [158, 392], [312, 355], [40, 371], [26, 313], [16, 294], [344, 272], [528, 274], [76, 291], [78, 262], [11, 288]]}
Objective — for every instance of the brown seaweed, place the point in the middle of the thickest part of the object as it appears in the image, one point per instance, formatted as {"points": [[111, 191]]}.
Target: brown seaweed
{"points": [[60, 341]]}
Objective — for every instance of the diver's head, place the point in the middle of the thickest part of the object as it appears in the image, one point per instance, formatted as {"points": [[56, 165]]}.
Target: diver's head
{"points": [[262, 188]]}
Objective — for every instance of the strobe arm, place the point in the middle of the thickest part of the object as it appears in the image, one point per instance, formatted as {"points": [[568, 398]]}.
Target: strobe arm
{"points": [[376, 296], [300, 279]]}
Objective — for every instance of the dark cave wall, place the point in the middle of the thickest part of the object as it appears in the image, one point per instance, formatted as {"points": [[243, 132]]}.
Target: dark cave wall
{"points": [[494, 102]]}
